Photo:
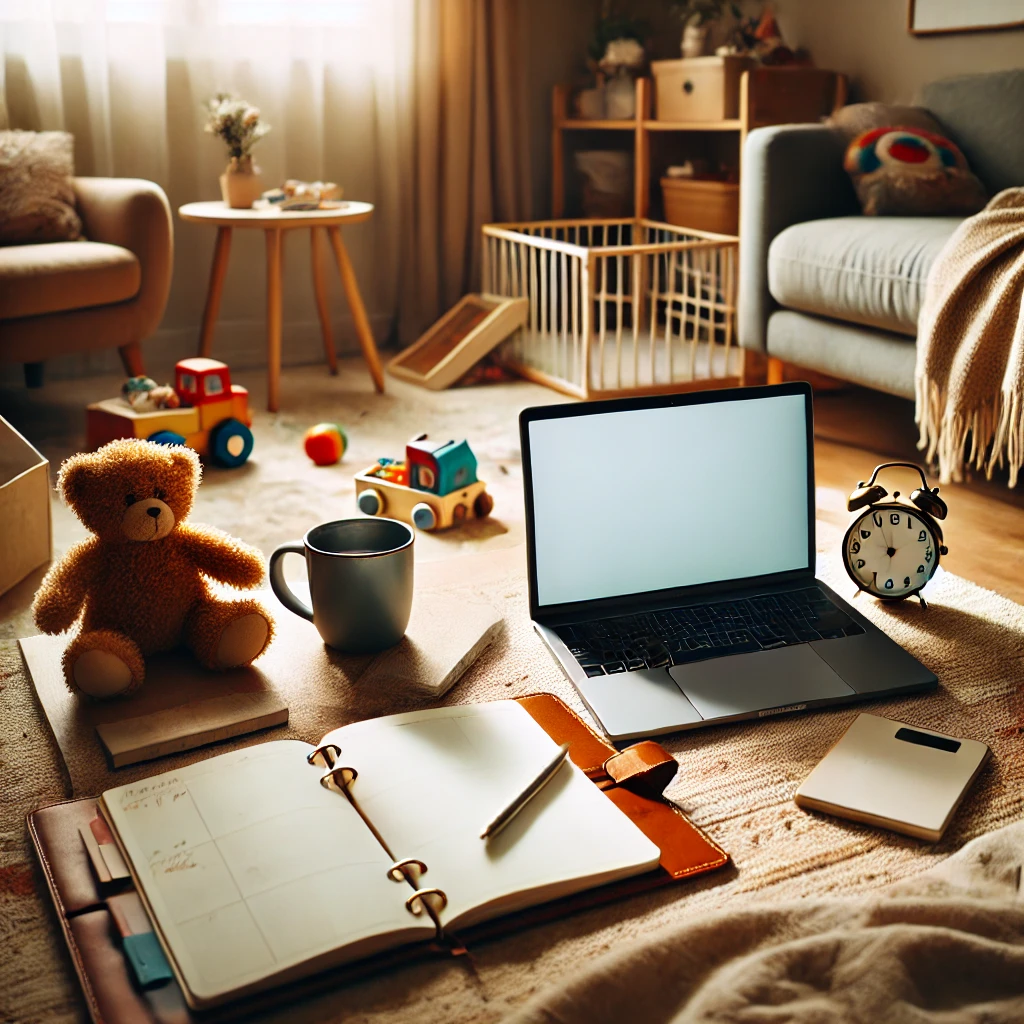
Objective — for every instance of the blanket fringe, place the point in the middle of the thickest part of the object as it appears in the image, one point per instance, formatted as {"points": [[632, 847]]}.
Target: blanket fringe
{"points": [[995, 429]]}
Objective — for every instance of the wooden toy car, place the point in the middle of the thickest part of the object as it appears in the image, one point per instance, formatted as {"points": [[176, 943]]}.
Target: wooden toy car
{"points": [[214, 417], [442, 488]]}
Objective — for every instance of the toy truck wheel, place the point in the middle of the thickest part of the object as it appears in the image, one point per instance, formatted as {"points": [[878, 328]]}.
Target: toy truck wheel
{"points": [[230, 443], [166, 437], [423, 516], [370, 503], [483, 506]]}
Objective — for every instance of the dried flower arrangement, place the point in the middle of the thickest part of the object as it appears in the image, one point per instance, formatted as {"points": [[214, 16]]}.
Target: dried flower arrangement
{"points": [[236, 122]]}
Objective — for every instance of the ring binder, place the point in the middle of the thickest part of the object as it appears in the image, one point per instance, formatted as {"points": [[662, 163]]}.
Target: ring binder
{"points": [[322, 752], [396, 874], [330, 776], [417, 903]]}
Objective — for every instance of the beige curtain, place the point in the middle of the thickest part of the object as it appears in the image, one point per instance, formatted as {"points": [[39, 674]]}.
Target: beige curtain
{"points": [[415, 105], [466, 158]]}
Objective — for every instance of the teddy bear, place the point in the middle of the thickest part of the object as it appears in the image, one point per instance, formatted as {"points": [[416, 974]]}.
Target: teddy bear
{"points": [[140, 582]]}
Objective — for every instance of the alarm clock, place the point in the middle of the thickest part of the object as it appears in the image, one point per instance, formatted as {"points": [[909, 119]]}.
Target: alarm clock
{"points": [[892, 548]]}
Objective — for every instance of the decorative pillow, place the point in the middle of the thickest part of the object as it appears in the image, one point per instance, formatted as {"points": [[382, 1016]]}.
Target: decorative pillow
{"points": [[37, 200], [909, 172], [856, 118]]}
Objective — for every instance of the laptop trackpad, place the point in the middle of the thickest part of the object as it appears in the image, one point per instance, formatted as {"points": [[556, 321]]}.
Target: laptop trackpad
{"points": [[722, 687]]}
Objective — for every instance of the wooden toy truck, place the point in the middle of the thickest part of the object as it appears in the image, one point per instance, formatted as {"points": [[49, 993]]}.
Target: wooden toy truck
{"points": [[214, 417], [435, 488]]}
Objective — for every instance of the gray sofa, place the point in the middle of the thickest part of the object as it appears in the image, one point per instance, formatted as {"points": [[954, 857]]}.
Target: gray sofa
{"points": [[828, 289]]}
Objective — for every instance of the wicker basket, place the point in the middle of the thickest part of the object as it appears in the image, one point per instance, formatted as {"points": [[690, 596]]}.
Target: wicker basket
{"points": [[705, 205], [617, 307]]}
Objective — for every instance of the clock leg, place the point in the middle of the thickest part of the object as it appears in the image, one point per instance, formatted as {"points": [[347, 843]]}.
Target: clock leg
{"points": [[920, 597]]}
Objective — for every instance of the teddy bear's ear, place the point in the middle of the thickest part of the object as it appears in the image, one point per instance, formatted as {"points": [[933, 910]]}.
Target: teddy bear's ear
{"points": [[186, 463], [75, 476]]}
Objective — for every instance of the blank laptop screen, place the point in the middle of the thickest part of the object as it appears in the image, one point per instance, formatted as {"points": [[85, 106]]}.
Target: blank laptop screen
{"points": [[649, 499]]}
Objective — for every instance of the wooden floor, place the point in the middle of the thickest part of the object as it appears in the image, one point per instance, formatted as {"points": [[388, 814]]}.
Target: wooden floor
{"points": [[856, 429]]}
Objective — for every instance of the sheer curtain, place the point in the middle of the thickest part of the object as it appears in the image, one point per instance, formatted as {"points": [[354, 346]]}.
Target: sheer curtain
{"points": [[417, 106]]}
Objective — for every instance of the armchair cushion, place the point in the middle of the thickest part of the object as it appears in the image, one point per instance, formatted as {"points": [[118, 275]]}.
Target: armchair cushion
{"points": [[868, 270], [57, 276]]}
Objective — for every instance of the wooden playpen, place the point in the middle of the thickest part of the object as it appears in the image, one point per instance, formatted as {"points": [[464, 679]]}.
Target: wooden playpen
{"points": [[617, 307]]}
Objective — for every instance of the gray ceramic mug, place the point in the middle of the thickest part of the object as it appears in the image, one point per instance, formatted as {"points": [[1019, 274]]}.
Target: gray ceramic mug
{"points": [[360, 582]]}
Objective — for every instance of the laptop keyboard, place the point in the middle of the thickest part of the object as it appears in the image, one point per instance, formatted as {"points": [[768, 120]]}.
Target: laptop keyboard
{"points": [[677, 636]]}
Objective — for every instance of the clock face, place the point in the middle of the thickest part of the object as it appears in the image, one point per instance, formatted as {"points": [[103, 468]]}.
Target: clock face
{"points": [[891, 551]]}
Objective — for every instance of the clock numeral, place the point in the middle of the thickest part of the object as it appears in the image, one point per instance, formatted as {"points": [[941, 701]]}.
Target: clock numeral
{"points": [[865, 534], [855, 548], [888, 584], [877, 519], [920, 569], [861, 563], [922, 535], [928, 555], [910, 522], [894, 518], [906, 581]]}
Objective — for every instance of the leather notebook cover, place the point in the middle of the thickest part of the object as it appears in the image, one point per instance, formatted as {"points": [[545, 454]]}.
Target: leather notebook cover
{"points": [[633, 779]]}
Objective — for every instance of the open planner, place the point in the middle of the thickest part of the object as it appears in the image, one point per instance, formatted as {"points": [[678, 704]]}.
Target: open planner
{"points": [[256, 872], [280, 870]]}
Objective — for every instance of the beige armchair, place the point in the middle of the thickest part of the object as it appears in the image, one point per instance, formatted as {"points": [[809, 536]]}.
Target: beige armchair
{"points": [[110, 291]]}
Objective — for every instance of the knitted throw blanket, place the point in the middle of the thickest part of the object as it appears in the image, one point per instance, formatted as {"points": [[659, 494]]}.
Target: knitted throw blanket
{"points": [[970, 344]]}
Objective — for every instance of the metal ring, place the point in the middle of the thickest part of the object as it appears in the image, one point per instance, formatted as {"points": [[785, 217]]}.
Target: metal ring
{"points": [[416, 902], [395, 872], [328, 748], [328, 777]]}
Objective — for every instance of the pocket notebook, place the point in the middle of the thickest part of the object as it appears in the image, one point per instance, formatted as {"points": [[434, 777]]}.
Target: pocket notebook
{"points": [[895, 776], [258, 868]]}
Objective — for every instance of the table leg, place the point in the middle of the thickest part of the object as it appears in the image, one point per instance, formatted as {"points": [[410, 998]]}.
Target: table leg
{"points": [[320, 288], [355, 303], [218, 271], [273, 317]]}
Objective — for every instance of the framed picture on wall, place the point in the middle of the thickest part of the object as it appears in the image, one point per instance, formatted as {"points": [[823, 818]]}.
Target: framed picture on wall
{"points": [[933, 17]]}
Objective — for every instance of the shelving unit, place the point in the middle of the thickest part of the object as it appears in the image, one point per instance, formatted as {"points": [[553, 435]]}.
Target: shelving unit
{"points": [[767, 96]]}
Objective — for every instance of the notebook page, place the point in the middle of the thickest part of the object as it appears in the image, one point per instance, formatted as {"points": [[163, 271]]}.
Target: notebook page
{"points": [[251, 868], [431, 780]]}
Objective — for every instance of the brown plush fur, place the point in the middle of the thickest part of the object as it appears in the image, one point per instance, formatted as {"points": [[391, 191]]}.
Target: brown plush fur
{"points": [[139, 583]]}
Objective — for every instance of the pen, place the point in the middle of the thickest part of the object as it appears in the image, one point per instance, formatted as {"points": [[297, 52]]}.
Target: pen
{"points": [[547, 774]]}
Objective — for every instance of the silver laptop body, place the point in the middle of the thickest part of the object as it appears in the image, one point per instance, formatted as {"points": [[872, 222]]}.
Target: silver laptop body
{"points": [[671, 553]]}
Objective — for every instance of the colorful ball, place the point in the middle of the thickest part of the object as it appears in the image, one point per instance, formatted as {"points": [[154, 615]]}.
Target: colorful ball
{"points": [[325, 443]]}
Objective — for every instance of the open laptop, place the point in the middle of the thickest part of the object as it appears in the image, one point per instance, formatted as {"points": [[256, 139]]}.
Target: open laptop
{"points": [[671, 560]]}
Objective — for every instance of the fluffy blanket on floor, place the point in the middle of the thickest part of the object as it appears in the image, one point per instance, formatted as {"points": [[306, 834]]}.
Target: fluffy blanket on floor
{"points": [[946, 947], [970, 344]]}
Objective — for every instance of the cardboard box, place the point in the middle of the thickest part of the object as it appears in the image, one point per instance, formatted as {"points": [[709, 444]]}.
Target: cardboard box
{"points": [[25, 530]]}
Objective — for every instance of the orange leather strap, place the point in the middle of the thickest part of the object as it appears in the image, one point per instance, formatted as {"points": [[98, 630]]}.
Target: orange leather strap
{"points": [[645, 766]]}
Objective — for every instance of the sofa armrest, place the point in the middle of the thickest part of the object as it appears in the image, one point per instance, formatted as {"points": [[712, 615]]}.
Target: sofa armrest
{"points": [[134, 214], [791, 173]]}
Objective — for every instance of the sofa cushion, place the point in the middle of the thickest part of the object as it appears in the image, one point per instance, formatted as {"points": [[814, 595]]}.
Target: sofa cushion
{"points": [[868, 270], [57, 276]]}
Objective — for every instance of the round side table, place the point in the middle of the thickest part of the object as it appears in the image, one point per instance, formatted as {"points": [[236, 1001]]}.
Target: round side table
{"points": [[275, 223]]}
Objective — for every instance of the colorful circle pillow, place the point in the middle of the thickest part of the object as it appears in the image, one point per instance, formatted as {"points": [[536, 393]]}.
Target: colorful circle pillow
{"points": [[910, 172]]}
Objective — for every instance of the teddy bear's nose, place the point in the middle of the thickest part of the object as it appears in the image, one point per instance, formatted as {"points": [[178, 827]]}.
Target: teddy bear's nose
{"points": [[153, 511]]}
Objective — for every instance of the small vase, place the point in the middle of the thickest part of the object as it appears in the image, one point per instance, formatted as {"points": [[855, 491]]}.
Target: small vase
{"points": [[240, 183], [695, 38], [620, 98]]}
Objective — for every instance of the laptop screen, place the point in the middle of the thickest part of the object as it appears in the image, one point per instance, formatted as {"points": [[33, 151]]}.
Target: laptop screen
{"points": [[646, 499]]}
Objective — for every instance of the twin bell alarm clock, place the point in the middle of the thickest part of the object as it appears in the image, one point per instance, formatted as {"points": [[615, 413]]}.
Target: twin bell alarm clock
{"points": [[892, 547]]}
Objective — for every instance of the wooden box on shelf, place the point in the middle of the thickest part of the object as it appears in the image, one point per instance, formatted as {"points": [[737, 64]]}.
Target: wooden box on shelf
{"points": [[698, 89], [703, 205]]}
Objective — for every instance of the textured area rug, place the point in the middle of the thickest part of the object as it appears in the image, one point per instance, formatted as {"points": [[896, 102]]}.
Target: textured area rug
{"points": [[736, 782]]}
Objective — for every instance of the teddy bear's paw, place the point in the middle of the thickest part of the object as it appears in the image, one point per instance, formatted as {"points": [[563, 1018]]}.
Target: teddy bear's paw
{"points": [[242, 640], [102, 674]]}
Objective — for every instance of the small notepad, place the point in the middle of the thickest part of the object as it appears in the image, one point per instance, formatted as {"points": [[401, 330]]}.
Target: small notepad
{"points": [[895, 776]]}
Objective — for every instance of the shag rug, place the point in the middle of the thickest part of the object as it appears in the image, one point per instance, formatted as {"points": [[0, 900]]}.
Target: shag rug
{"points": [[736, 782]]}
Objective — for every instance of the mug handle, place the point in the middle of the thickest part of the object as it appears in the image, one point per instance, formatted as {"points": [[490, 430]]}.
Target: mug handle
{"points": [[277, 581]]}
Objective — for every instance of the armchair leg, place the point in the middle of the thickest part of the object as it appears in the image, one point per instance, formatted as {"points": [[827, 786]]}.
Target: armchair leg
{"points": [[34, 375], [131, 357]]}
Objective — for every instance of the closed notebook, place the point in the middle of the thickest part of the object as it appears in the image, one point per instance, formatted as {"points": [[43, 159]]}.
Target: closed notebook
{"points": [[255, 873], [895, 776]]}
